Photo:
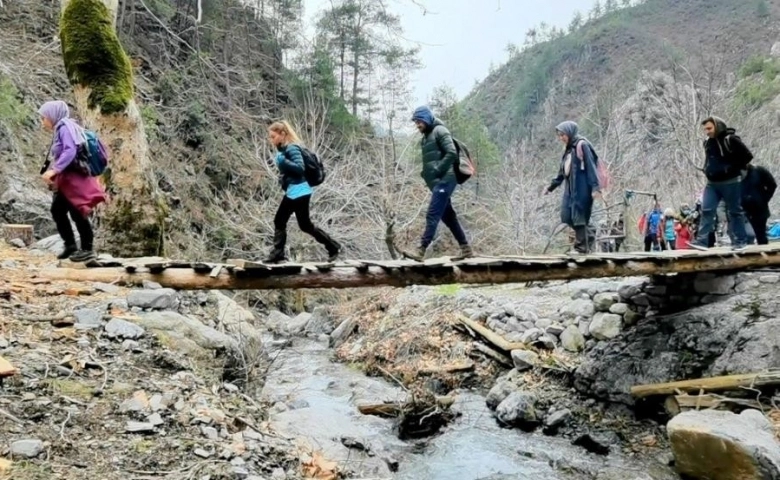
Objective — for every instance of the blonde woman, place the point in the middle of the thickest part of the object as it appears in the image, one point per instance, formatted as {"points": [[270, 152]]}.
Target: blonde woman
{"points": [[297, 194]]}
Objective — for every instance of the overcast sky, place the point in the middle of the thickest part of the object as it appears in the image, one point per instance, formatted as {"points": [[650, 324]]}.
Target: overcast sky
{"points": [[459, 39]]}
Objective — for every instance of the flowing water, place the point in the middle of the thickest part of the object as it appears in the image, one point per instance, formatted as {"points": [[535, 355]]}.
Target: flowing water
{"points": [[317, 401]]}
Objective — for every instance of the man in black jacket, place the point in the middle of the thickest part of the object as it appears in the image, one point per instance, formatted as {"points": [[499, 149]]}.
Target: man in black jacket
{"points": [[726, 157], [758, 187]]}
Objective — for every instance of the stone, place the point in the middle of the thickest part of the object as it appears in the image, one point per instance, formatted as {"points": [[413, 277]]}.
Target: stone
{"points": [[88, 318], [155, 419], [656, 290], [578, 308], [627, 292], [775, 51], [518, 410], [769, 279], [599, 443], [514, 325], [150, 285], [619, 308], [747, 286], [297, 324], [27, 448], [210, 432], [605, 326], [139, 402], [159, 299], [641, 300], [131, 346], [602, 301], [234, 318], [276, 320], [9, 264], [711, 284], [342, 332], [531, 335], [182, 333], [543, 323], [584, 327], [631, 317], [555, 329], [106, 288], [320, 322], [557, 418], [139, 427], [572, 339], [499, 392], [526, 314], [201, 453], [118, 328], [721, 445], [546, 341], [17, 242], [524, 359]]}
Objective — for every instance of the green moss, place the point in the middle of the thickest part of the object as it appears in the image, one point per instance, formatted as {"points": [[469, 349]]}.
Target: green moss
{"points": [[11, 107], [448, 290], [135, 231], [94, 57]]}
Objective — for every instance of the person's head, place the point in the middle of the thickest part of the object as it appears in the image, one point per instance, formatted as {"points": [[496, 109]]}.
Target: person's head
{"points": [[423, 118], [282, 134], [52, 112], [669, 213], [567, 131], [713, 126]]}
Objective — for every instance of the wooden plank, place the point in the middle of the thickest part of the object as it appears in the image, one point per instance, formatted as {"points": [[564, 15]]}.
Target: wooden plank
{"points": [[6, 369], [728, 382], [216, 271], [712, 401], [456, 367], [487, 334]]}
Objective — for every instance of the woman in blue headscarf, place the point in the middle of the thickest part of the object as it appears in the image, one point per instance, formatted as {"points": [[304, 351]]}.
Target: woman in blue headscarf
{"points": [[581, 184]]}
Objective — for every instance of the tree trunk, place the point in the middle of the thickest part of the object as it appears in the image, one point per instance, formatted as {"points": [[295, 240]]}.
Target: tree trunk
{"points": [[132, 223]]}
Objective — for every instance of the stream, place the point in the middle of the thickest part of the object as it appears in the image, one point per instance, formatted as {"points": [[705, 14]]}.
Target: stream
{"points": [[315, 400]]}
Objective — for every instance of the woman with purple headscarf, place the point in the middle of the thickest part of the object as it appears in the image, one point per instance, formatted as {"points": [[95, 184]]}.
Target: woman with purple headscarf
{"points": [[75, 192]]}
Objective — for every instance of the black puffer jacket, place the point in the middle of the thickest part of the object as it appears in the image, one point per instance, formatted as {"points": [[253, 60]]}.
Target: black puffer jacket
{"points": [[726, 155]]}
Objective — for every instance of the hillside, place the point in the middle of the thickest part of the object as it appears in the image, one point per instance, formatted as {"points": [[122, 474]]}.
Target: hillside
{"points": [[638, 81]]}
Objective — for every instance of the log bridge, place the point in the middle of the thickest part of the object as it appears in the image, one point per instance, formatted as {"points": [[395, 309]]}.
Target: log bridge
{"points": [[248, 275]]}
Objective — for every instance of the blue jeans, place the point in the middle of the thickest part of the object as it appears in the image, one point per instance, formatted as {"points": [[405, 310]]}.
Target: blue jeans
{"points": [[440, 209], [731, 194]]}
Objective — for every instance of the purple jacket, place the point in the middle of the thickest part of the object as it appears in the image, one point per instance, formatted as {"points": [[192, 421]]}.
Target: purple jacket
{"points": [[63, 150]]}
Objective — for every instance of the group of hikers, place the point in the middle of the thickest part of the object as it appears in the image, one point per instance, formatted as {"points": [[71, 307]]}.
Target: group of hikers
{"points": [[731, 178]]}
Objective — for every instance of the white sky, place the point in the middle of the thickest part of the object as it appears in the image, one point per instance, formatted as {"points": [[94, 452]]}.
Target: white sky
{"points": [[459, 39]]}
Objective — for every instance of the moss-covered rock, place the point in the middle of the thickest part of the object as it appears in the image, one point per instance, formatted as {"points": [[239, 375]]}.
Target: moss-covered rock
{"points": [[94, 57]]}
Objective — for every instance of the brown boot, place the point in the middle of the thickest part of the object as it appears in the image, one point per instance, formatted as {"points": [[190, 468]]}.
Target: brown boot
{"points": [[417, 254], [465, 252]]}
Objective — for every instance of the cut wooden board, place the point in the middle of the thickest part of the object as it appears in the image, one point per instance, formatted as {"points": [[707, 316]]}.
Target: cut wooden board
{"points": [[713, 384], [6, 369]]}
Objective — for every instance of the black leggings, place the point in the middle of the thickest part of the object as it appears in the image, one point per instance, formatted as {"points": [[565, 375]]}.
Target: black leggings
{"points": [[60, 208], [300, 207]]}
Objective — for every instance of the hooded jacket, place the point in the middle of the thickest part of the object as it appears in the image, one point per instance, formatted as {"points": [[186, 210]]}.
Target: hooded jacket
{"points": [[725, 155], [439, 155], [758, 188]]}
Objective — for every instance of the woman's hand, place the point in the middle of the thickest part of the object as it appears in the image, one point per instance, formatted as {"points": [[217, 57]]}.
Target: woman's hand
{"points": [[48, 176]]}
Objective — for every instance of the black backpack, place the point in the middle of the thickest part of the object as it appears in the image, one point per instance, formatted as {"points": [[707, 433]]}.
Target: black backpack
{"points": [[313, 169]]}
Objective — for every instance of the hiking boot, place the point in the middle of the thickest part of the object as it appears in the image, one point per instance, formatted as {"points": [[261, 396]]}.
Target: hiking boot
{"points": [[465, 252], [67, 252], [333, 255], [417, 254], [83, 256], [277, 253], [276, 256]]}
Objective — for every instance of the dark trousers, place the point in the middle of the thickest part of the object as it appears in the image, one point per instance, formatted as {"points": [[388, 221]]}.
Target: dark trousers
{"points": [[731, 194], [60, 209], [651, 242], [440, 210], [299, 207], [671, 244], [758, 221]]}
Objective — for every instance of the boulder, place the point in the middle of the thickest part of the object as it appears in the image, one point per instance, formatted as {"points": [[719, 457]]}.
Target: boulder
{"points": [[711, 284], [234, 318], [605, 326], [578, 308], [119, 328], [518, 410], [719, 445], [158, 299], [531, 335], [603, 301], [320, 322], [183, 333], [524, 359], [572, 339], [619, 308], [27, 448]]}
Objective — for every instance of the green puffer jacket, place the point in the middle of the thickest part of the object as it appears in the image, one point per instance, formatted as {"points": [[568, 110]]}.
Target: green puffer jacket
{"points": [[439, 155]]}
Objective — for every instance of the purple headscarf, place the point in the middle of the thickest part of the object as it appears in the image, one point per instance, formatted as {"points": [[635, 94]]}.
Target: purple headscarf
{"points": [[58, 113]]}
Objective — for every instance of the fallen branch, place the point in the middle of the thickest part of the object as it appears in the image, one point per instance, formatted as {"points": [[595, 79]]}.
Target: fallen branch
{"points": [[728, 382], [492, 354], [492, 337], [466, 366], [394, 409], [11, 417]]}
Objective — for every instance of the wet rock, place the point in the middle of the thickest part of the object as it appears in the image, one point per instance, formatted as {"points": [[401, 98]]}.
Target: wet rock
{"points": [[599, 443], [118, 328], [27, 448], [572, 339], [708, 283], [747, 286], [297, 324], [88, 318], [524, 359], [605, 326], [603, 301], [159, 299], [554, 421], [720, 445], [769, 279], [518, 410], [578, 308]]}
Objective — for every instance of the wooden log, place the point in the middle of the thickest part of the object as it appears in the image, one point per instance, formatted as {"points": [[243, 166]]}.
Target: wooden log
{"points": [[23, 232], [456, 367], [493, 354], [713, 384], [394, 409], [362, 275], [489, 335]]}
